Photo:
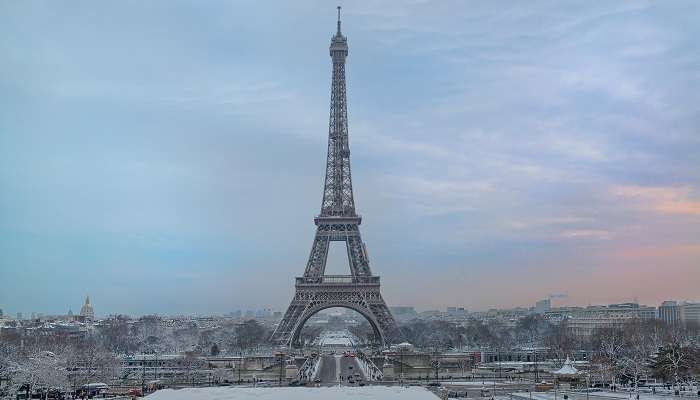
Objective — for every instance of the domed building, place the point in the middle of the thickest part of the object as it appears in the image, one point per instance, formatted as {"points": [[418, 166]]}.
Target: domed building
{"points": [[86, 311]]}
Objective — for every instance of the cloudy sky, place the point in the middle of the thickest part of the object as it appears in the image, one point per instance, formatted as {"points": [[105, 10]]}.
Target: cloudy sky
{"points": [[167, 156]]}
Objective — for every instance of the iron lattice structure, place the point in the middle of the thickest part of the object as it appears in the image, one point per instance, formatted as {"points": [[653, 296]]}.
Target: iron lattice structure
{"points": [[337, 221]]}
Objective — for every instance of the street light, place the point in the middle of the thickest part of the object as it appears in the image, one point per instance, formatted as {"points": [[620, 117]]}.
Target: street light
{"points": [[436, 365], [588, 383], [240, 364], [400, 365], [281, 355], [537, 376]]}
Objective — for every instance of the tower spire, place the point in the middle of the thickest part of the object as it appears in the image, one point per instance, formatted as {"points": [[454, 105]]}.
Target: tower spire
{"points": [[337, 192], [338, 33]]}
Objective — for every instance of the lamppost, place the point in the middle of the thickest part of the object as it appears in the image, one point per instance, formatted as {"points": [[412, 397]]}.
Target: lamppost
{"points": [[537, 372], [494, 388], [240, 365], [143, 374], [588, 383], [400, 365], [499, 361], [436, 363], [281, 355]]}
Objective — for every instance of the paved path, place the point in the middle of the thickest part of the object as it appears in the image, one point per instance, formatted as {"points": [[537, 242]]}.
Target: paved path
{"points": [[327, 373], [350, 367], [336, 369]]}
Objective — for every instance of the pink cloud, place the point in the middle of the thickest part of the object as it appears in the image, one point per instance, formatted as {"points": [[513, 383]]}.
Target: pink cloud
{"points": [[665, 200]]}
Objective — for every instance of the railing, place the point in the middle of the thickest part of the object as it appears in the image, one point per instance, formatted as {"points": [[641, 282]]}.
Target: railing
{"points": [[309, 370], [337, 279], [369, 369]]}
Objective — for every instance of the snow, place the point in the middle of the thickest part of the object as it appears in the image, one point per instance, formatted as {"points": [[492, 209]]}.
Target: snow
{"points": [[295, 393], [337, 338], [593, 395], [336, 341], [567, 370], [485, 384]]}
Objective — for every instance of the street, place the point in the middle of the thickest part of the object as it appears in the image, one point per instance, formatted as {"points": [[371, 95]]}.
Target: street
{"points": [[336, 369]]}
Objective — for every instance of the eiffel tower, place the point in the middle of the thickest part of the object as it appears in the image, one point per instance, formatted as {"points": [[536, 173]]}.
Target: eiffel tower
{"points": [[337, 221]]}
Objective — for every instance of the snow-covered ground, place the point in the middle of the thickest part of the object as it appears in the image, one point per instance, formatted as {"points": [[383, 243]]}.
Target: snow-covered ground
{"points": [[337, 338], [295, 393], [598, 395]]}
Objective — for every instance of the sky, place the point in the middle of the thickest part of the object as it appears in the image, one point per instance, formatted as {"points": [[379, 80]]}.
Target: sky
{"points": [[168, 156]]}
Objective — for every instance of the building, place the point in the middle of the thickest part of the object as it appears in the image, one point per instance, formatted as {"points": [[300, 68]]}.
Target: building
{"points": [[648, 312], [670, 312], [690, 313], [456, 311], [86, 310], [584, 322], [639, 311], [542, 306]]}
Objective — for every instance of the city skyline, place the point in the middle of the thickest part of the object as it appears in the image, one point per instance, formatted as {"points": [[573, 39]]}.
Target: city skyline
{"points": [[150, 155], [555, 303]]}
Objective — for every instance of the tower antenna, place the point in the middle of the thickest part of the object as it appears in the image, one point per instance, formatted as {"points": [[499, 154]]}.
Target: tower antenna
{"points": [[339, 20]]}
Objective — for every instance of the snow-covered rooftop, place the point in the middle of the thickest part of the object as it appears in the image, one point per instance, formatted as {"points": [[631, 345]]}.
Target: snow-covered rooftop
{"points": [[567, 369], [295, 393]]}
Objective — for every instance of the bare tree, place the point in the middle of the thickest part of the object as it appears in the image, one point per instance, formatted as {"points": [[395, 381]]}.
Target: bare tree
{"points": [[91, 362], [642, 340], [250, 334], [529, 331], [676, 358], [609, 345], [560, 340]]}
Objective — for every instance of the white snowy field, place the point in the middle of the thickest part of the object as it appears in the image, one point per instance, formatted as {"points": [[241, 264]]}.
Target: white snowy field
{"points": [[295, 393], [337, 338], [477, 384], [602, 395]]}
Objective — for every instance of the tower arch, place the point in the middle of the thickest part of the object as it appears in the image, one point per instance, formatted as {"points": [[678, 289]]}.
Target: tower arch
{"points": [[373, 323]]}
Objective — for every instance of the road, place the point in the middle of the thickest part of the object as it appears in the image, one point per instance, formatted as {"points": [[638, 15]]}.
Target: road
{"points": [[327, 373], [336, 368]]}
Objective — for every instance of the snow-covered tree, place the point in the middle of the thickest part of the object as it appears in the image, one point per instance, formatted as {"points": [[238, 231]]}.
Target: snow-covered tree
{"points": [[91, 362], [42, 369], [676, 359], [608, 353], [642, 340]]}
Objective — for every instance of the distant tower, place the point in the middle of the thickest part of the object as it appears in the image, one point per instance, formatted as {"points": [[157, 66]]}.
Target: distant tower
{"points": [[86, 311], [338, 221], [70, 312]]}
